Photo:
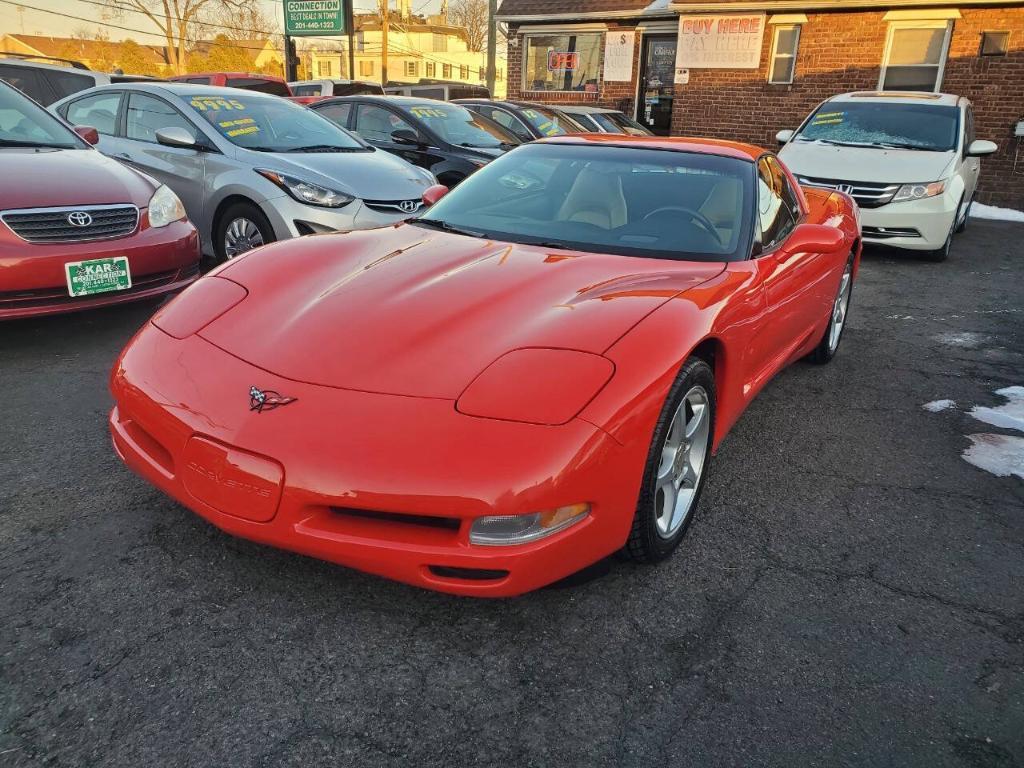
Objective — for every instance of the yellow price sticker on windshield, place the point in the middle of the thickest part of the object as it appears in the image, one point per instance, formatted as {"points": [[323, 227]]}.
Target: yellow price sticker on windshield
{"points": [[233, 123], [215, 103], [530, 113], [428, 112], [244, 131]]}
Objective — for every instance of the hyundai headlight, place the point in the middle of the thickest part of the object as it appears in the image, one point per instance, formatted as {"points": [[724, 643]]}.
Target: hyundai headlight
{"points": [[165, 207], [919, 191], [306, 191]]}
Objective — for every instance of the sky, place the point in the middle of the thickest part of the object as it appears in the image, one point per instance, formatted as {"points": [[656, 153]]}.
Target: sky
{"points": [[91, 16]]}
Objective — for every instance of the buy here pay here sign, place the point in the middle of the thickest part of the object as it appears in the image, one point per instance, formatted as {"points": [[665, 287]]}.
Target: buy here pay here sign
{"points": [[713, 41]]}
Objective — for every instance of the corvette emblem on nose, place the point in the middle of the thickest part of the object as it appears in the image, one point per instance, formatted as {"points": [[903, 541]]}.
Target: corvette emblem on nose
{"points": [[267, 399]]}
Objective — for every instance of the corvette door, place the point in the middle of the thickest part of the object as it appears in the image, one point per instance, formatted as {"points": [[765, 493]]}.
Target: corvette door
{"points": [[796, 283]]}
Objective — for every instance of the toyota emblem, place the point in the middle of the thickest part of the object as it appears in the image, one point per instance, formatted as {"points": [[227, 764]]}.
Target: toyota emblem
{"points": [[79, 219], [409, 206]]}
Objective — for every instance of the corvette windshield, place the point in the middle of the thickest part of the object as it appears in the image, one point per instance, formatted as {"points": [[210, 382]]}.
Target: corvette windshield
{"points": [[271, 124], [607, 199], [929, 127]]}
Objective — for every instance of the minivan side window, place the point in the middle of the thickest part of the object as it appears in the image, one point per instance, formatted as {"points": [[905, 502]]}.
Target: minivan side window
{"points": [[147, 115], [99, 111], [968, 129], [66, 83], [27, 80], [775, 212]]}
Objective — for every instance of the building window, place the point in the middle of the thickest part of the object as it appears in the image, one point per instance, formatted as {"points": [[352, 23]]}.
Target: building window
{"points": [[915, 55], [785, 42], [995, 43], [481, 73], [497, 73], [431, 69], [446, 71], [464, 72], [366, 68], [325, 68], [439, 43], [562, 62], [412, 69]]}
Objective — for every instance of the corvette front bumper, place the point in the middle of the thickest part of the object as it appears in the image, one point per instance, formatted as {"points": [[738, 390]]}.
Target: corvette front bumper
{"points": [[381, 483]]}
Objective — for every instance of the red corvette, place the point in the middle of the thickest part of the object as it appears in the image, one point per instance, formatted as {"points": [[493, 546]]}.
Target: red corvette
{"points": [[486, 399]]}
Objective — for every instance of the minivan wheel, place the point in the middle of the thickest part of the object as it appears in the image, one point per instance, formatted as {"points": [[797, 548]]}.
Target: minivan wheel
{"points": [[241, 228]]}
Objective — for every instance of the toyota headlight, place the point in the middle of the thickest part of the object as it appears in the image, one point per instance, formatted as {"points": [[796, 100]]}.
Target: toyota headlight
{"points": [[306, 191], [165, 207], [919, 191]]}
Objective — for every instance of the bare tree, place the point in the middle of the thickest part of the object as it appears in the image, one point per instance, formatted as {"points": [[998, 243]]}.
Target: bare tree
{"points": [[174, 20], [246, 21], [472, 15]]}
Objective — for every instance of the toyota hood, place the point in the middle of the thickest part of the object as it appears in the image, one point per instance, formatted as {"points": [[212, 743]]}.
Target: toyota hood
{"points": [[51, 178], [413, 311], [370, 175], [884, 166]]}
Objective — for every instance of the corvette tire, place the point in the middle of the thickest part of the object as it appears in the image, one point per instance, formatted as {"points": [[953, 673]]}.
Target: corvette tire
{"points": [[829, 344], [677, 465]]}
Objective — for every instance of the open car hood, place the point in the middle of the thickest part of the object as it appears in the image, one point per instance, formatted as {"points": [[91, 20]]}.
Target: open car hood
{"points": [[413, 311]]}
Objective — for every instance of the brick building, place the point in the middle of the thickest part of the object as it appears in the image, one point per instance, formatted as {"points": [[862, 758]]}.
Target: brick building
{"points": [[748, 68]]}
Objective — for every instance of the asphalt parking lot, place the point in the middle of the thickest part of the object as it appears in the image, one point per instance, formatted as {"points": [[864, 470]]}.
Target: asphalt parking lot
{"points": [[849, 595]]}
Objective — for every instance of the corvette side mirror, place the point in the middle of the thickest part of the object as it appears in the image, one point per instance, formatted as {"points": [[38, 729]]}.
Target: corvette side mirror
{"points": [[814, 237], [981, 147], [88, 134], [783, 137], [432, 194]]}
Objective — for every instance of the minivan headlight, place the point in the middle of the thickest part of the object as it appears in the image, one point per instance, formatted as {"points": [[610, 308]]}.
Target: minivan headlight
{"points": [[919, 191], [165, 207], [306, 191]]}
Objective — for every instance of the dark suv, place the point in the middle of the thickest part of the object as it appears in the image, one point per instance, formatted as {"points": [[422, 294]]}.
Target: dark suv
{"points": [[447, 139]]}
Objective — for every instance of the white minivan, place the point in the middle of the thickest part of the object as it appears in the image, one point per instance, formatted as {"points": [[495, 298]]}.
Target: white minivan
{"points": [[910, 160]]}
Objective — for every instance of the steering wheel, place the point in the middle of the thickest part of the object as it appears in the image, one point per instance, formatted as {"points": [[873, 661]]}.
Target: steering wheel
{"points": [[695, 216]]}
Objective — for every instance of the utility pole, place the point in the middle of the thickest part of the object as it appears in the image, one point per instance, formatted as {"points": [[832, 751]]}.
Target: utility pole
{"points": [[384, 43], [492, 44]]}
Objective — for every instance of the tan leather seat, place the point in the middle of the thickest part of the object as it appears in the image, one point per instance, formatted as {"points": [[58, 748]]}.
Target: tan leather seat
{"points": [[722, 204], [595, 198]]}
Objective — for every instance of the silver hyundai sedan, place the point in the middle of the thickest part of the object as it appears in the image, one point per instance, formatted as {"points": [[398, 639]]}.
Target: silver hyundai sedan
{"points": [[249, 167]]}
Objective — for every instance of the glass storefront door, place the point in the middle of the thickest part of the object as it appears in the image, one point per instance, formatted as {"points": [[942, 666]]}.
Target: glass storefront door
{"points": [[657, 81]]}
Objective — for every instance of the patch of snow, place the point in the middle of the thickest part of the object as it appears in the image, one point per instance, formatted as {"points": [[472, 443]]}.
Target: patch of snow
{"points": [[961, 339], [939, 405], [1002, 455], [979, 211], [1009, 416]]}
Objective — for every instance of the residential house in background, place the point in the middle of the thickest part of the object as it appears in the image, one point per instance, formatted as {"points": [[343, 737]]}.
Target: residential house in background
{"points": [[99, 55], [418, 48]]}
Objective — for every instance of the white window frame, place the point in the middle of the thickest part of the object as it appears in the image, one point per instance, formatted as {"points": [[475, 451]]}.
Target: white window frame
{"points": [[775, 52], [945, 24], [580, 29], [412, 68]]}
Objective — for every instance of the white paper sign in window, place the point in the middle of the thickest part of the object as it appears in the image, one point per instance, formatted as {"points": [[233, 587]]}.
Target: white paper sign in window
{"points": [[618, 56]]}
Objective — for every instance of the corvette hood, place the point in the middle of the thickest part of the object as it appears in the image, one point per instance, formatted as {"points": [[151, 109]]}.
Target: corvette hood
{"points": [[884, 166], [413, 311]]}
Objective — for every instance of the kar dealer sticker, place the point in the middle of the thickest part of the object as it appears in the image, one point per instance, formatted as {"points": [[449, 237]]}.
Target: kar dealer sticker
{"points": [[97, 276]]}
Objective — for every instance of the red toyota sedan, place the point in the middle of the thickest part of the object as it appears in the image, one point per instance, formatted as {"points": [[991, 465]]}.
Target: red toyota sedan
{"points": [[77, 229], [483, 400]]}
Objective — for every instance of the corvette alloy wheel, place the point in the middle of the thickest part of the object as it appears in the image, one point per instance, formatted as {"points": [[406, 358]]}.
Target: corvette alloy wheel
{"points": [[241, 235], [840, 307], [682, 461]]}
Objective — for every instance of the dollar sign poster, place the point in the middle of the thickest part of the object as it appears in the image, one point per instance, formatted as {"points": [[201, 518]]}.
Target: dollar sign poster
{"points": [[618, 56]]}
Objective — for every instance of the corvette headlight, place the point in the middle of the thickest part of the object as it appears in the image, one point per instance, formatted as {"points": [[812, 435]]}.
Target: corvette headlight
{"points": [[165, 207], [306, 191], [919, 191], [506, 530], [536, 386]]}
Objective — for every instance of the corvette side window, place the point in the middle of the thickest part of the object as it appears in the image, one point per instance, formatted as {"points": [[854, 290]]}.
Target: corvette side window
{"points": [[774, 212]]}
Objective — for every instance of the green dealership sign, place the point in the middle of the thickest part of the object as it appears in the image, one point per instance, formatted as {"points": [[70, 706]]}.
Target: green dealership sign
{"points": [[314, 17]]}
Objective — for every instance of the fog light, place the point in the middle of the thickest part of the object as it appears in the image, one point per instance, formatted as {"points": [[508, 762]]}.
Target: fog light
{"points": [[503, 530]]}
